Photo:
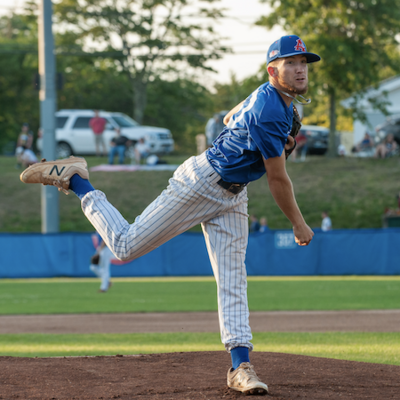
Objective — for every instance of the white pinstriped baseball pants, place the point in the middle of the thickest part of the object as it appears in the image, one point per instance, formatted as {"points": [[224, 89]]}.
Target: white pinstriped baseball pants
{"points": [[192, 197]]}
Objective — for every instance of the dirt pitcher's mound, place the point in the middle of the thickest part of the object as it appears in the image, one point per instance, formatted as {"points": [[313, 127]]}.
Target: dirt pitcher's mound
{"points": [[192, 376]]}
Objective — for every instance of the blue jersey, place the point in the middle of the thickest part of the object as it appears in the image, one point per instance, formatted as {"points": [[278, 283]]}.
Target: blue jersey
{"points": [[259, 129]]}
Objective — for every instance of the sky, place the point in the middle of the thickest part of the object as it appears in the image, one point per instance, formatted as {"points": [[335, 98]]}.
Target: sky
{"points": [[249, 43]]}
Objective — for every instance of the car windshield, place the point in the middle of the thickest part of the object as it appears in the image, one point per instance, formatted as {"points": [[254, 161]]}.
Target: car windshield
{"points": [[124, 121]]}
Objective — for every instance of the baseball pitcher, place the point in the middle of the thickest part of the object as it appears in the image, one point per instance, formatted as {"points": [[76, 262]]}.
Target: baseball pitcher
{"points": [[211, 189]]}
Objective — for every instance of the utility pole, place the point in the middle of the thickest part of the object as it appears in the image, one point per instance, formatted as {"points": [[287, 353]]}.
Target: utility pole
{"points": [[48, 105]]}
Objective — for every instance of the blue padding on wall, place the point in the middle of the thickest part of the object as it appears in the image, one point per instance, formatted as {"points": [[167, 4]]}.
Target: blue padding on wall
{"points": [[274, 253]]}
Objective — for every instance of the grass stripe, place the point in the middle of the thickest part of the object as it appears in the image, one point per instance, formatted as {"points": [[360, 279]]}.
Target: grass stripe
{"points": [[81, 296], [211, 279], [373, 347]]}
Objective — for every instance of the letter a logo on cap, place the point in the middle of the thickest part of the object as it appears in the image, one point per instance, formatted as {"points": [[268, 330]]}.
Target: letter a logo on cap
{"points": [[289, 46], [300, 45]]}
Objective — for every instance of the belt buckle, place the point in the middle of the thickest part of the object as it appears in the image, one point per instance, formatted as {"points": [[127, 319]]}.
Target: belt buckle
{"points": [[235, 188]]}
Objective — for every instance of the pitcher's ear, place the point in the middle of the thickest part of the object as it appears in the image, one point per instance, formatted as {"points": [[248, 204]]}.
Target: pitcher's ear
{"points": [[272, 71]]}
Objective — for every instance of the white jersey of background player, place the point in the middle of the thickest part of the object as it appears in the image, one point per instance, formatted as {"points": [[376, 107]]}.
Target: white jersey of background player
{"points": [[326, 224], [211, 189], [102, 269]]}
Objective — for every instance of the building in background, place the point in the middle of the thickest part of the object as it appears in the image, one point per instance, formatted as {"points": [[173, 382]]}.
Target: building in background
{"points": [[388, 90]]}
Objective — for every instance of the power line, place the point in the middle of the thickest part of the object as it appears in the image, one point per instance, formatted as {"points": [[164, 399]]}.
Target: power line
{"points": [[29, 46], [11, 7], [116, 53]]}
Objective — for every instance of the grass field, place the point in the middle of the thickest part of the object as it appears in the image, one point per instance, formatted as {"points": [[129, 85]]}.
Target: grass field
{"points": [[188, 294], [383, 348], [58, 296], [355, 191]]}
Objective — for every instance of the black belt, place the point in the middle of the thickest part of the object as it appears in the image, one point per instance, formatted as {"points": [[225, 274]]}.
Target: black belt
{"points": [[234, 188]]}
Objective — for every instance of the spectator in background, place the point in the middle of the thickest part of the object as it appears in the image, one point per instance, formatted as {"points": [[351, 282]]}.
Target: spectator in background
{"points": [[154, 160], [393, 211], [341, 150], [301, 147], [366, 145], [326, 222], [141, 151], [215, 126], [387, 148], [98, 124], [263, 225], [24, 141], [102, 269], [254, 224], [118, 145], [211, 129], [220, 122], [27, 157]]}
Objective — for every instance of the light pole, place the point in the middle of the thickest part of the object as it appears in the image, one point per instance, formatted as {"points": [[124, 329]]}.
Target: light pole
{"points": [[48, 105]]}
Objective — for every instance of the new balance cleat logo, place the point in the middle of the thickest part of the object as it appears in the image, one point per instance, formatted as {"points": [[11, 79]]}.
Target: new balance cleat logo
{"points": [[57, 171]]}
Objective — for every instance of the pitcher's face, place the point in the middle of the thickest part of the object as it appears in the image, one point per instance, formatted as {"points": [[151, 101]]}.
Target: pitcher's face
{"points": [[292, 74]]}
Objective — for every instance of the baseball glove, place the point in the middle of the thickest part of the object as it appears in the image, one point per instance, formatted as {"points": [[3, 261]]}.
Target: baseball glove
{"points": [[95, 259], [296, 125]]}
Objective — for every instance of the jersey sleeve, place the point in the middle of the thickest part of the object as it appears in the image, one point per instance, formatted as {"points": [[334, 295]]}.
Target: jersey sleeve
{"points": [[269, 131], [268, 142]]}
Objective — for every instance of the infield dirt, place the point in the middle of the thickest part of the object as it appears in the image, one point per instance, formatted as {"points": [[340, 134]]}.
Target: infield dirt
{"points": [[192, 376], [198, 375]]}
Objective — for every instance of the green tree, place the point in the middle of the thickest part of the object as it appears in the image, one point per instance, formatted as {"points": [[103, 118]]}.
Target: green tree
{"points": [[230, 94], [180, 105], [356, 40], [18, 64], [146, 38], [90, 80], [183, 106], [93, 83]]}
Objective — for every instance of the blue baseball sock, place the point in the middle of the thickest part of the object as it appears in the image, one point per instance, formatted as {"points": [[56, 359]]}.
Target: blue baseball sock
{"points": [[80, 186], [239, 355]]}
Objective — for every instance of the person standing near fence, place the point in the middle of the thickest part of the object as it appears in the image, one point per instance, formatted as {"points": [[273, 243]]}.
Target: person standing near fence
{"points": [[263, 225], [254, 224], [326, 224], [101, 262]]}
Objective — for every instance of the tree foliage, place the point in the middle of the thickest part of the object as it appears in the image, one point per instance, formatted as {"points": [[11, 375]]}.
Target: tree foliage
{"points": [[146, 38], [231, 93], [182, 105], [18, 65], [356, 39], [91, 81]]}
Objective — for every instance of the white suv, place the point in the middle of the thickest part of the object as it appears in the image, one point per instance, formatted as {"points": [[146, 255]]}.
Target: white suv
{"points": [[74, 136]]}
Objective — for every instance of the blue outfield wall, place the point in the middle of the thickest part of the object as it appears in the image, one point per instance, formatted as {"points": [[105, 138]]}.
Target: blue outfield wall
{"points": [[274, 253]]}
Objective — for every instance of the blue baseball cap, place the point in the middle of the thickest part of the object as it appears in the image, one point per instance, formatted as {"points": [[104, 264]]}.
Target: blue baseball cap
{"points": [[287, 46]]}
